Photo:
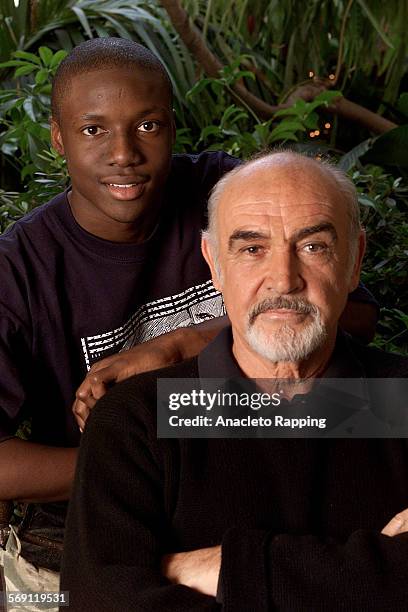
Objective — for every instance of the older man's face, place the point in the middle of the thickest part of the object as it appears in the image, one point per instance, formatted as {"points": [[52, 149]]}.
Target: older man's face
{"points": [[284, 258]]}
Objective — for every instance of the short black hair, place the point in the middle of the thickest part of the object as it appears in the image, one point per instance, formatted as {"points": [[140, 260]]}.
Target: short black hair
{"points": [[101, 54]]}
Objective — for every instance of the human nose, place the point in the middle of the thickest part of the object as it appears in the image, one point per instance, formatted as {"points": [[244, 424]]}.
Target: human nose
{"points": [[124, 150], [282, 273]]}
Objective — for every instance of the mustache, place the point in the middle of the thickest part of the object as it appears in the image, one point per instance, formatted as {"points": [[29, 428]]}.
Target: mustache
{"points": [[299, 305]]}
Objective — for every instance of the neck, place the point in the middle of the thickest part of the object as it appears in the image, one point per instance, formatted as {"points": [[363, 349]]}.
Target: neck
{"points": [[256, 366], [134, 232]]}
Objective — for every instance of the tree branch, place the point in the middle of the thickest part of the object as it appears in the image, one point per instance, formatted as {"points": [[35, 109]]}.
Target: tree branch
{"points": [[195, 43]]}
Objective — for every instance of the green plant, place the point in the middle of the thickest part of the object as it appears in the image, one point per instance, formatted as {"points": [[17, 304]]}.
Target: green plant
{"points": [[237, 129], [347, 40], [62, 24], [384, 208], [25, 138]]}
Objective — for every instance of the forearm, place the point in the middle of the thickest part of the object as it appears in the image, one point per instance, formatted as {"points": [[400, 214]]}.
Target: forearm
{"points": [[160, 352], [191, 340], [34, 472]]}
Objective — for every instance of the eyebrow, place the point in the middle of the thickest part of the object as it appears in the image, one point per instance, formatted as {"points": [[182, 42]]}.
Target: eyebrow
{"points": [[245, 235], [316, 229], [248, 235], [98, 117]]}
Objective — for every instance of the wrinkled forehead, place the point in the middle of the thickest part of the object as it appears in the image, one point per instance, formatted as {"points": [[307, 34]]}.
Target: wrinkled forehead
{"points": [[283, 196]]}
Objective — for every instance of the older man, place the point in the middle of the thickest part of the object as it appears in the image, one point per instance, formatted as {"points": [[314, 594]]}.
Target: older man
{"points": [[250, 524]]}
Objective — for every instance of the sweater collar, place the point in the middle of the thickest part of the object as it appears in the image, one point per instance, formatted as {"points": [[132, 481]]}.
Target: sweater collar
{"points": [[217, 361]]}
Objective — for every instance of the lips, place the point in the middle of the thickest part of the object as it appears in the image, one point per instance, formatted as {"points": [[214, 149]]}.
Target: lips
{"points": [[283, 313], [124, 188]]}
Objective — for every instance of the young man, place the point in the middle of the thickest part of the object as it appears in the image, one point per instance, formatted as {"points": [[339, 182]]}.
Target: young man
{"points": [[253, 523], [118, 255], [112, 262]]}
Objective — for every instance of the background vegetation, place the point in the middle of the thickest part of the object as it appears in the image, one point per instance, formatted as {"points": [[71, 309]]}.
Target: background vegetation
{"points": [[328, 76]]}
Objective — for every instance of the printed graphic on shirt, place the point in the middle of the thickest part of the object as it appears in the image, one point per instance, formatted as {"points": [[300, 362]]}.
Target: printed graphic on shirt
{"points": [[192, 306]]}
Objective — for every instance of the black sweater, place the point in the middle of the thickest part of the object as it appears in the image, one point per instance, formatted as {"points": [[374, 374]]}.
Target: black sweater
{"points": [[299, 520]]}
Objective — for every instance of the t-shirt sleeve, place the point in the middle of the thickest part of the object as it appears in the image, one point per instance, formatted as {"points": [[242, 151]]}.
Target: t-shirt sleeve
{"points": [[265, 571], [15, 369], [208, 167], [117, 525]]}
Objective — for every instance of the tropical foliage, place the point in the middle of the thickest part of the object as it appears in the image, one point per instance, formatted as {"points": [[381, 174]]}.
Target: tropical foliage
{"points": [[261, 73]]}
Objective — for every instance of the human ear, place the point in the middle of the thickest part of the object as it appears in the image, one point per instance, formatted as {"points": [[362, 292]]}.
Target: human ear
{"points": [[355, 275], [207, 251], [56, 137]]}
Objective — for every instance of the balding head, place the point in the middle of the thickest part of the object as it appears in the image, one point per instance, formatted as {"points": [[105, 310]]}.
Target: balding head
{"points": [[291, 167]]}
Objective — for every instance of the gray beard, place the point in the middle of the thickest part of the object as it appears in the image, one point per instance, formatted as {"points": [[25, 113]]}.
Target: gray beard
{"points": [[286, 343]]}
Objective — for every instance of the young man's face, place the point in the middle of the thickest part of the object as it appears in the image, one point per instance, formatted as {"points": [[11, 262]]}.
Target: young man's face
{"points": [[116, 131]]}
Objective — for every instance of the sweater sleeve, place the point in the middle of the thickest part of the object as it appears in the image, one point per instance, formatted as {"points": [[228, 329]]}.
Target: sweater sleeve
{"points": [[262, 571], [117, 525]]}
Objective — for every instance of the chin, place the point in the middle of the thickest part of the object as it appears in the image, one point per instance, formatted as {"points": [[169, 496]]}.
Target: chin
{"points": [[287, 343]]}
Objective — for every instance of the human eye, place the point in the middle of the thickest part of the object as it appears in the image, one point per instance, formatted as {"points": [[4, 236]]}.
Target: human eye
{"points": [[252, 249], [148, 126], [92, 130], [314, 248]]}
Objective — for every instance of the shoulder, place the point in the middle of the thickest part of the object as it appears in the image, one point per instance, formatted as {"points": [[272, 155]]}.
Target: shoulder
{"points": [[136, 397], [33, 224], [381, 364], [27, 249], [205, 168]]}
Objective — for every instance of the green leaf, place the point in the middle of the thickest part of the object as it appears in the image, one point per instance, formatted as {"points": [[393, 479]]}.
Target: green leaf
{"points": [[240, 75], [35, 129], [347, 161], [198, 87], [11, 63], [312, 121], [57, 58], [210, 130], [375, 23], [327, 97], [25, 70], [233, 114], [283, 136], [285, 112], [41, 76], [365, 201], [30, 57], [28, 170], [8, 148], [46, 55], [28, 107], [288, 125], [46, 89], [217, 87], [82, 19]]}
